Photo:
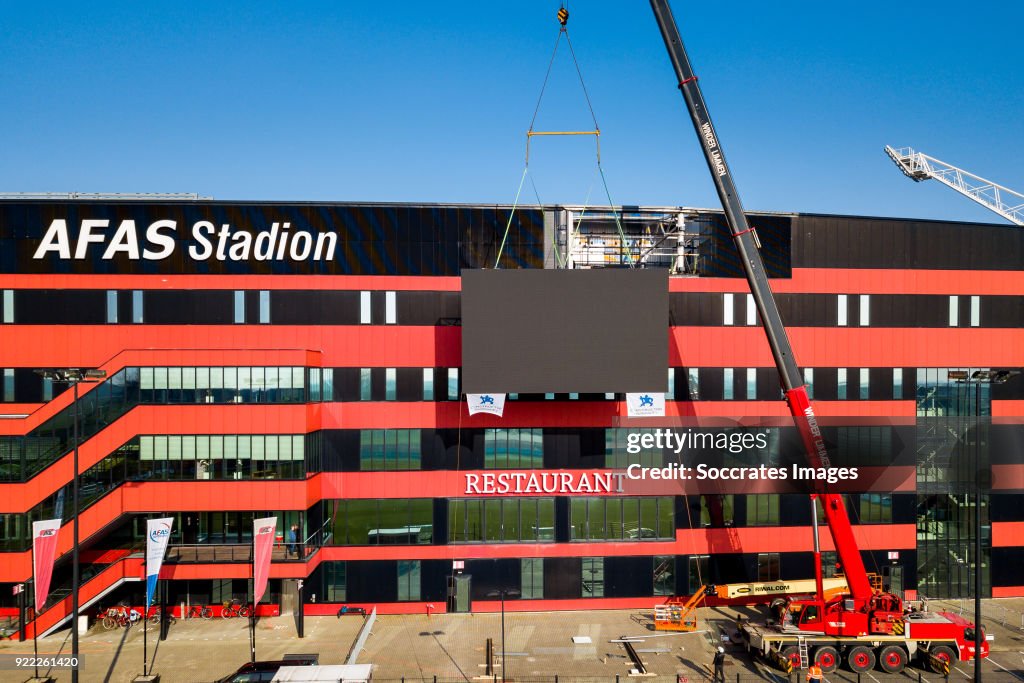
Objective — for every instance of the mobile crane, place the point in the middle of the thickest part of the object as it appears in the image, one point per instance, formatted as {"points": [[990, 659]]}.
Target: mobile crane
{"points": [[863, 626]]}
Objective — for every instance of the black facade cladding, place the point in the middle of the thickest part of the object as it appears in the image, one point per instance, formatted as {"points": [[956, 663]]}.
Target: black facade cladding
{"points": [[392, 239], [717, 252], [821, 241]]}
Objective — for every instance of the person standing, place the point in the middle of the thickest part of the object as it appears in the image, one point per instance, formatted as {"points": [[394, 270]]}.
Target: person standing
{"points": [[720, 665], [293, 540]]}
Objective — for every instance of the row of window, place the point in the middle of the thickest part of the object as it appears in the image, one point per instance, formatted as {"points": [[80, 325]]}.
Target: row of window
{"points": [[762, 509], [531, 578], [850, 310], [434, 308]]}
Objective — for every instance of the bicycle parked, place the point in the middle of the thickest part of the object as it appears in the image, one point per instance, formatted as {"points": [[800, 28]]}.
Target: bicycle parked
{"points": [[199, 612], [156, 613], [236, 609], [120, 617]]}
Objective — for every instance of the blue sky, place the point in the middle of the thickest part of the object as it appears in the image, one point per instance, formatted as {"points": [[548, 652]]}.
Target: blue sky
{"points": [[418, 101]]}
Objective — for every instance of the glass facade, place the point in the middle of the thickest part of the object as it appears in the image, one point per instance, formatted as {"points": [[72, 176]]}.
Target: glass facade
{"points": [[383, 521], [622, 518], [389, 449], [501, 520], [513, 448]]}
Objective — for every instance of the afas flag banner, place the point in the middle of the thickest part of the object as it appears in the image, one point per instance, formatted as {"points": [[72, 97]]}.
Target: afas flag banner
{"points": [[44, 550], [263, 545], [158, 534], [492, 404]]}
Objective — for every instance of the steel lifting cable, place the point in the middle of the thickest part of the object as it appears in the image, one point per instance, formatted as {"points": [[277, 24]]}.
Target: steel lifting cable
{"points": [[563, 18]]}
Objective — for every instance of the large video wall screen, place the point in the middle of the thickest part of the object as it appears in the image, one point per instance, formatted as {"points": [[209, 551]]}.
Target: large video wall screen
{"points": [[563, 331]]}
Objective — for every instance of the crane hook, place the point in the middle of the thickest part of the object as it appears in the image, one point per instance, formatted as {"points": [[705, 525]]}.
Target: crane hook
{"points": [[563, 16]]}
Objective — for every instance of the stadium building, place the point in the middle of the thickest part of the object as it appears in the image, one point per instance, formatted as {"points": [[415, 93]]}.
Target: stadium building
{"points": [[303, 361]]}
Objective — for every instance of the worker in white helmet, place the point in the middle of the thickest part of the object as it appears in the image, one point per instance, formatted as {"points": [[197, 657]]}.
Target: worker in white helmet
{"points": [[720, 665]]}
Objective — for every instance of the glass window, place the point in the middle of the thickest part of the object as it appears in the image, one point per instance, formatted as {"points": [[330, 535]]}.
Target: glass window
{"points": [[239, 306], [841, 383], [671, 383], [428, 384], [390, 384], [8, 305], [664, 574], [768, 566], [751, 384], [408, 580], [763, 509], [728, 384], [865, 384], [617, 519], [453, 384], [137, 316], [593, 577], [897, 383], [47, 389], [531, 573], [717, 511], [954, 311], [693, 383], [364, 308], [390, 309], [876, 508], [111, 306], [365, 384], [842, 309], [751, 310], [264, 307], [698, 572], [328, 384], [829, 560], [727, 309], [975, 311], [865, 310], [335, 581], [809, 381], [8, 385]]}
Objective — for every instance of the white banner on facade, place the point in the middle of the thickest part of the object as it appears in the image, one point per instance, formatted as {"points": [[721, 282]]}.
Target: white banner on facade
{"points": [[158, 535], [646, 404], [492, 404]]}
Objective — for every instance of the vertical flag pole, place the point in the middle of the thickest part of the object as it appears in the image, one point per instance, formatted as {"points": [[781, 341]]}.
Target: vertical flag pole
{"points": [[145, 625], [35, 613]]}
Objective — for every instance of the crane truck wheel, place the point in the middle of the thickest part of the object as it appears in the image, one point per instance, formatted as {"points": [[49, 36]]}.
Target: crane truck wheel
{"points": [[791, 653], [943, 653], [827, 657], [892, 659], [860, 659]]}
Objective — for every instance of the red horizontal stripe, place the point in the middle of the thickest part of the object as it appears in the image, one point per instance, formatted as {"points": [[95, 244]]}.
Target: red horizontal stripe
{"points": [[1007, 591], [850, 347], [452, 484], [421, 346], [1007, 534], [870, 281], [250, 282]]}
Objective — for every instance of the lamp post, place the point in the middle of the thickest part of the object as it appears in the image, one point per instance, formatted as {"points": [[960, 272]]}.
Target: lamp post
{"points": [[503, 593], [74, 377], [977, 378]]}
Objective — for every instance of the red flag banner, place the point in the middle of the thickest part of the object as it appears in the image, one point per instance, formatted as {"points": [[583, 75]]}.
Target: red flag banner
{"points": [[44, 551], [263, 546]]}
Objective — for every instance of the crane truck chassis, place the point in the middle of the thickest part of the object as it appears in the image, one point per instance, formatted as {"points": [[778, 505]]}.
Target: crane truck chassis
{"points": [[937, 640], [864, 626]]}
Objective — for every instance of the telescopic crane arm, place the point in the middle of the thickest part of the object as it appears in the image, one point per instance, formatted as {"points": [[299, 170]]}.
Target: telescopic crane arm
{"points": [[746, 244]]}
